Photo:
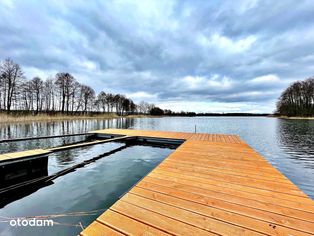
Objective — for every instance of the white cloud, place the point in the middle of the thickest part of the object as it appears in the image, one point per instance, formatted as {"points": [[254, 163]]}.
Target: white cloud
{"points": [[142, 96], [247, 5], [32, 72], [8, 3], [87, 64], [215, 107], [215, 82], [265, 79], [226, 44]]}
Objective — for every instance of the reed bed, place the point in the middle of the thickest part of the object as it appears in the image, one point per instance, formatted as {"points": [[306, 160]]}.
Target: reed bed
{"points": [[5, 118]]}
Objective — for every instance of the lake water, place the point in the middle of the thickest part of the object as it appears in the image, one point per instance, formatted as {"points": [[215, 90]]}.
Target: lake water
{"points": [[287, 144], [91, 189]]}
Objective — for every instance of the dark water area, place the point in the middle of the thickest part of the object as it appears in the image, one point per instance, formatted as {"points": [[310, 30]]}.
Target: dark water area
{"points": [[287, 144], [91, 189]]}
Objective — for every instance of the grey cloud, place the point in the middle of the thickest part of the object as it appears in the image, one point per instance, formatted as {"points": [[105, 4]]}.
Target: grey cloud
{"points": [[128, 47]]}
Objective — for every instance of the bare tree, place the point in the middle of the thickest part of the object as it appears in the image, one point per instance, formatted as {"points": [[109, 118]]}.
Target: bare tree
{"points": [[37, 86], [12, 78], [110, 101], [144, 107], [74, 92], [27, 96], [64, 82], [2, 107], [125, 105], [49, 94], [133, 107], [62, 93], [88, 97], [102, 101]]}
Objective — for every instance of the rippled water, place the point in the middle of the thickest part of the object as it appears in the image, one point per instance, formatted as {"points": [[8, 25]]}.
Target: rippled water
{"points": [[287, 144]]}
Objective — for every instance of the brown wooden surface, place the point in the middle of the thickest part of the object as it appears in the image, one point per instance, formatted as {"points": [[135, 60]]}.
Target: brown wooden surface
{"points": [[40, 152], [17, 155], [210, 185]]}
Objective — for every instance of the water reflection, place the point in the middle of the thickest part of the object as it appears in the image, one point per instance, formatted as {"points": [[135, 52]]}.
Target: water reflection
{"points": [[296, 139], [11, 131], [287, 144], [95, 187], [32, 129], [66, 157], [17, 174]]}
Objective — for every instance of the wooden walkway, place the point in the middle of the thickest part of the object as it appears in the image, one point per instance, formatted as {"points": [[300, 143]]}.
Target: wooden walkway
{"points": [[44, 152], [211, 185], [24, 154]]}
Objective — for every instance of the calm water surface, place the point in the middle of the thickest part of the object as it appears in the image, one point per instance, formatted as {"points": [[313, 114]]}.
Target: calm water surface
{"points": [[92, 188], [287, 144]]}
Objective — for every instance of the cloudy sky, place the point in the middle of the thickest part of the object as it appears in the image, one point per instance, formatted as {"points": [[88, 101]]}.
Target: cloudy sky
{"points": [[203, 56]]}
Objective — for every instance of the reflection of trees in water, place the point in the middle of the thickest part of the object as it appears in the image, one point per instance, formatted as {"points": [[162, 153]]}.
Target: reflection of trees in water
{"points": [[296, 137], [66, 156], [33, 129], [6, 147]]}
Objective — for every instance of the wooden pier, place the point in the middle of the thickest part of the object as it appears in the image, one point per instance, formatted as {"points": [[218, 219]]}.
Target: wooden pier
{"points": [[210, 185], [15, 156]]}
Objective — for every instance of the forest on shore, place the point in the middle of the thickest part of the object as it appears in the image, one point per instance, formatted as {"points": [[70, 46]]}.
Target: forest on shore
{"points": [[64, 95], [61, 94], [297, 100]]}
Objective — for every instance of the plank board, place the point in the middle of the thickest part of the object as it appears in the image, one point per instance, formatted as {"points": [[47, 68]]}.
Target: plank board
{"points": [[23, 154], [210, 185]]}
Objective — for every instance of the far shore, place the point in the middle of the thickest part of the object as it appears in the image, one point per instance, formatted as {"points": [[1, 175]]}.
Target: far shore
{"points": [[293, 117], [4, 118]]}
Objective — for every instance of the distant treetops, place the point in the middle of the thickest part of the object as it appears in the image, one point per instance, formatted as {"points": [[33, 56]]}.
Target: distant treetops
{"points": [[61, 93], [297, 99]]}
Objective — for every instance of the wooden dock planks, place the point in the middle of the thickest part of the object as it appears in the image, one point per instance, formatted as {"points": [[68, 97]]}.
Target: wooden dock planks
{"points": [[44, 152], [23, 154], [211, 185]]}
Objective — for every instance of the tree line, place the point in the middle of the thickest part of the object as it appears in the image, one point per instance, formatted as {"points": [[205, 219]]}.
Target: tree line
{"points": [[297, 99], [64, 94], [61, 93]]}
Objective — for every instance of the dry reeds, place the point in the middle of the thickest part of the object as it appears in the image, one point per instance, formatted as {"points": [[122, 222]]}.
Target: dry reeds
{"points": [[5, 118]]}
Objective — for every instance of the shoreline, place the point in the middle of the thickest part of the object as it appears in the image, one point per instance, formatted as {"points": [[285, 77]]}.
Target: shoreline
{"points": [[293, 117], [4, 119]]}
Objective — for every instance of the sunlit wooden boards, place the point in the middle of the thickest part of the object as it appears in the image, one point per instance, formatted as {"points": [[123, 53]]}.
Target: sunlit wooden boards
{"points": [[172, 135], [211, 185], [20, 155], [14, 156]]}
